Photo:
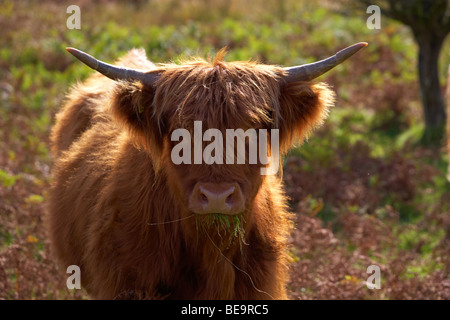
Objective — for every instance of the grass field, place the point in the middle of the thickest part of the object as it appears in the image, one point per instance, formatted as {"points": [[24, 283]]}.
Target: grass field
{"points": [[364, 190]]}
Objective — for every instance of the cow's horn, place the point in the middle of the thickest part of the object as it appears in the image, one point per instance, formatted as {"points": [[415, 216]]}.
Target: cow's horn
{"points": [[114, 72], [308, 72]]}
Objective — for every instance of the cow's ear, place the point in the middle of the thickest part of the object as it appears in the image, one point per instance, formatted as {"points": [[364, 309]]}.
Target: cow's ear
{"points": [[304, 107], [132, 107]]}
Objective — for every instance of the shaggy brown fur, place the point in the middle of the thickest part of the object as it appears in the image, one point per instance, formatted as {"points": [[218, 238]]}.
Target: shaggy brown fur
{"points": [[118, 203]]}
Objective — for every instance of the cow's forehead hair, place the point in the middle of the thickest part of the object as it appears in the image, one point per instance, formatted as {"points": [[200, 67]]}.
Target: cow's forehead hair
{"points": [[219, 93]]}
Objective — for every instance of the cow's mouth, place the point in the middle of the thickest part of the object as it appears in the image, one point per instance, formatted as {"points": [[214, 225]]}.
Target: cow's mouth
{"points": [[228, 227]]}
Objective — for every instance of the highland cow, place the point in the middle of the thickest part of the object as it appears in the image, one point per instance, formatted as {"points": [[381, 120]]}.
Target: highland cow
{"points": [[140, 226]]}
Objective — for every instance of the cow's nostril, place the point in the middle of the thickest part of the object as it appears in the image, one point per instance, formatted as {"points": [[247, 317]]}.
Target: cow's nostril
{"points": [[204, 198], [229, 199]]}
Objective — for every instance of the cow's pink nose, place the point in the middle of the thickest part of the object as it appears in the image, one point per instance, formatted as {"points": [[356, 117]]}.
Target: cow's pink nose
{"points": [[226, 198]]}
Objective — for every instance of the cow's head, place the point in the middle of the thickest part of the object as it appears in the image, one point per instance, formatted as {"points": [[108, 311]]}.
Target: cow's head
{"points": [[165, 106]]}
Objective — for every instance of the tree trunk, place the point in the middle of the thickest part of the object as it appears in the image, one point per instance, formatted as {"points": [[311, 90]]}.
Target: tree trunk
{"points": [[432, 100]]}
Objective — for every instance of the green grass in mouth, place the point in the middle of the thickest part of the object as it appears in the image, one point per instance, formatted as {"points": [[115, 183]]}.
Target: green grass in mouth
{"points": [[224, 224]]}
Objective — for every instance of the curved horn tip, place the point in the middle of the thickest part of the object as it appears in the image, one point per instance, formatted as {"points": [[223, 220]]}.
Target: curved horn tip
{"points": [[111, 71], [346, 53], [358, 46], [362, 44], [313, 70], [87, 59], [74, 51]]}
